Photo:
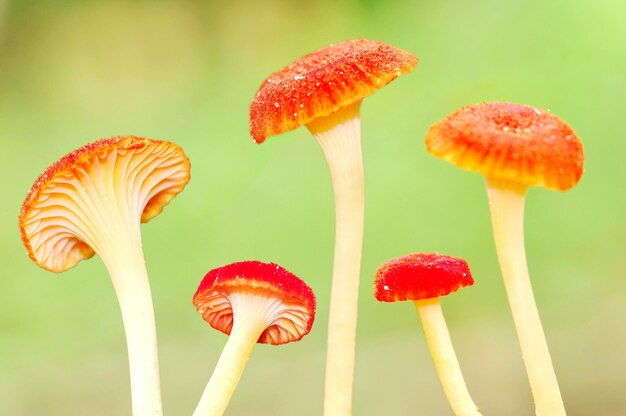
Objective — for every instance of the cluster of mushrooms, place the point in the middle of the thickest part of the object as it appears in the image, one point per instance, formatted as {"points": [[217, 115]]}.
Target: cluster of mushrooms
{"points": [[94, 199]]}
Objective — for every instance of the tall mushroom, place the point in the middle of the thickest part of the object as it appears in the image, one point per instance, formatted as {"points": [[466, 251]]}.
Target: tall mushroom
{"points": [[93, 201], [423, 279], [323, 90], [515, 146], [251, 302]]}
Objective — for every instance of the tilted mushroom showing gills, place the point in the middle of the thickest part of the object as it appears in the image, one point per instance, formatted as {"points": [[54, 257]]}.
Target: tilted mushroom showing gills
{"points": [[423, 279], [515, 146], [93, 201], [323, 90], [252, 302]]}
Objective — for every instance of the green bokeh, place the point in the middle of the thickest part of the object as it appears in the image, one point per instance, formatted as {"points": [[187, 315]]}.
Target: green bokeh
{"points": [[75, 71]]}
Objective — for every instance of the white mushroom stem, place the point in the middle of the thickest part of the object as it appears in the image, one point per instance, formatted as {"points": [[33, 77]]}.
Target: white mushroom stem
{"points": [[130, 280], [339, 135], [506, 202], [252, 314], [444, 357]]}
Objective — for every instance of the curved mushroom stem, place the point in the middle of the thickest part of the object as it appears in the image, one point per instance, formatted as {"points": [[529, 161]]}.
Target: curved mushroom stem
{"points": [[339, 135], [252, 315], [506, 202], [228, 371], [126, 266], [444, 357]]}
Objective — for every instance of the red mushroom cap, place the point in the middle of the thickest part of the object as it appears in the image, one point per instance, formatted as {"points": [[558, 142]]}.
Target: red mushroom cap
{"points": [[420, 276], [323, 82], [510, 142], [254, 277], [153, 172]]}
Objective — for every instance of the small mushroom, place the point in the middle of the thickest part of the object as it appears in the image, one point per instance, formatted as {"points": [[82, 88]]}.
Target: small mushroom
{"points": [[93, 201], [423, 279], [252, 302], [323, 90], [515, 146]]}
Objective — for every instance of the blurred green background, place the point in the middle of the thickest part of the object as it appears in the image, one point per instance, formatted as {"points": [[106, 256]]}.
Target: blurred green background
{"points": [[185, 71]]}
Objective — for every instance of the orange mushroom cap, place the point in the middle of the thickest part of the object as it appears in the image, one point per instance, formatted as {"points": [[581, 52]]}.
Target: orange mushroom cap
{"points": [[323, 82], [267, 279], [420, 276], [49, 200], [510, 142]]}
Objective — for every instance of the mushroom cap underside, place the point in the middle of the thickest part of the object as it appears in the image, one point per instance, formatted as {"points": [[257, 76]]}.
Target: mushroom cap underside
{"points": [[96, 182], [323, 82], [290, 321]]}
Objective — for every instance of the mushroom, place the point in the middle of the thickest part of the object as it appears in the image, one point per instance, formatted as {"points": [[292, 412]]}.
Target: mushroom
{"points": [[515, 146], [251, 302], [323, 90], [423, 279], [93, 201]]}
